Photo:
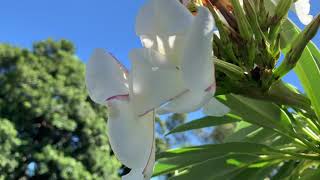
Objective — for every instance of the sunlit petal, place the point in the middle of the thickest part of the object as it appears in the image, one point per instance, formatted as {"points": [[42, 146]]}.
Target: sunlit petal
{"points": [[131, 138], [105, 77], [162, 17], [162, 25], [197, 58], [215, 108], [153, 80]]}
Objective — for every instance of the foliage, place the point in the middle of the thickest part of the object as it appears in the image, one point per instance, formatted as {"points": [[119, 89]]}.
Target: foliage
{"points": [[273, 130], [49, 127], [9, 142]]}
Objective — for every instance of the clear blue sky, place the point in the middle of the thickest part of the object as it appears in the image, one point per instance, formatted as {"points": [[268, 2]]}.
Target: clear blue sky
{"points": [[88, 24]]}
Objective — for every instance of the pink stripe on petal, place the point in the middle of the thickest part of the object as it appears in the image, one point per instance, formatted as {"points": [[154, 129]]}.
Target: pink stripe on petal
{"points": [[120, 64], [119, 97], [210, 87]]}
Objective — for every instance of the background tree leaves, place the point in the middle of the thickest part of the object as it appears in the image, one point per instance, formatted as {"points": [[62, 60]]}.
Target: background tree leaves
{"points": [[49, 127]]}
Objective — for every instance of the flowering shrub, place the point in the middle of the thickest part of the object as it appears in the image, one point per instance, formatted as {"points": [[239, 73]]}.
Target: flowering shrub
{"points": [[219, 56]]}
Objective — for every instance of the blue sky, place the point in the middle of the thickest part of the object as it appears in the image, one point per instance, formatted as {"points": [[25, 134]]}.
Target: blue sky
{"points": [[88, 24]]}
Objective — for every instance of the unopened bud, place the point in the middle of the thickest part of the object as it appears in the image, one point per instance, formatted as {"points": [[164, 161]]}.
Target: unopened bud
{"points": [[297, 47], [281, 11], [243, 24]]}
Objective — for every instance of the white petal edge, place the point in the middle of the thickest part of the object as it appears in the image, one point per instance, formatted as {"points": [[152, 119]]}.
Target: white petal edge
{"points": [[106, 77], [147, 172], [188, 102], [197, 59], [131, 137], [215, 108]]}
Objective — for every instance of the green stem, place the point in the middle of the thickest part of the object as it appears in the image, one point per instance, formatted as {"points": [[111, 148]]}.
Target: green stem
{"points": [[231, 70]]}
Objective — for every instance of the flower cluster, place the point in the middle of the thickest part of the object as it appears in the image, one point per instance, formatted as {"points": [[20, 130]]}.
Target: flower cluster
{"points": [[172, 73]]}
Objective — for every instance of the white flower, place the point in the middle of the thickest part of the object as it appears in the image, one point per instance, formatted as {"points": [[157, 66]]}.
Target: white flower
{"points": [[175, 69], [131, 137], [178, 48]]}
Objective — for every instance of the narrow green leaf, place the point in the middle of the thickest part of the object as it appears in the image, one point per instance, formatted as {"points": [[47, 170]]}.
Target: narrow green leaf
{"points": [[311, 175], [254, 134], [297, 46], [307, 68], [261, 113], [221, 168], [184, 157], [285, 170], [314, 50], [205, 122]]}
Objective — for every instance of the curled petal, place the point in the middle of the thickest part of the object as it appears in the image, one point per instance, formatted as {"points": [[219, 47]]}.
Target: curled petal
{"points": [[187, 102], [153, 80], [105, 77], [197, 60], [215, 108], [131, 137]]}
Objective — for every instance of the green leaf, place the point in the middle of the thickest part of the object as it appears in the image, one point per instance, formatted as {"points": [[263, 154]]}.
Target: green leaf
{"points": [[307, 68], [246, 132], [221, 168], [311, 174], [252, 133], [184, 157], [285, 170], [261, 113], [314, 50], [255, 173], [205, 122]]}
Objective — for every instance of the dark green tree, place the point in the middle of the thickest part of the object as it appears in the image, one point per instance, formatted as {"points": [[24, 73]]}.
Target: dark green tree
{"points": [[49, 127]]}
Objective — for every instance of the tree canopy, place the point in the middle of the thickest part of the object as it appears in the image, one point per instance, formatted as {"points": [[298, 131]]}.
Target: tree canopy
{"points": [[49, 127]]}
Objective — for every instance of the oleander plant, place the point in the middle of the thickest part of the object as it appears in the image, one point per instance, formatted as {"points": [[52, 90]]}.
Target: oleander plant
{"points": [[226, 58]]}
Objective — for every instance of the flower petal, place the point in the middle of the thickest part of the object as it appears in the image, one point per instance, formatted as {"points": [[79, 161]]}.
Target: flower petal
{"points": [[215, 108], [153, 80], [302, 9], [131, 138], [134, 174], [105, 77], [162, 26], [197, 59], [187, 102], [149, 168], [164, 17]]}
